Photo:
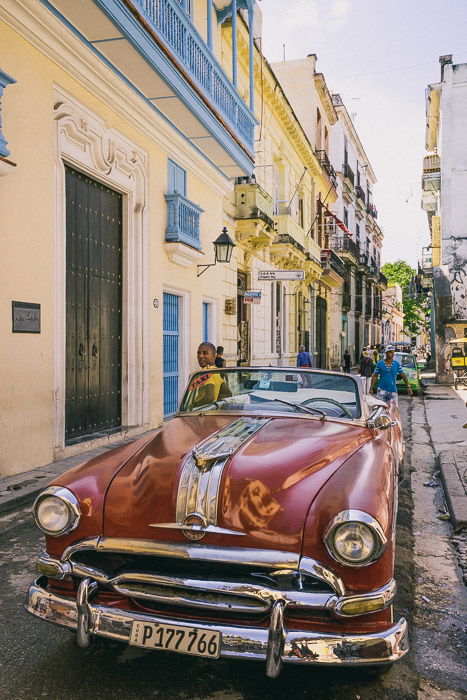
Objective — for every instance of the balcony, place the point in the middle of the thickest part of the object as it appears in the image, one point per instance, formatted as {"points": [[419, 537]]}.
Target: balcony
{"points": [[327, 167], [252, 202], [431, 178], [182, 221], [360, 194], [345, 247], [348, 173], [333, 268], [363, 262], [154, 48], [383, 281]]}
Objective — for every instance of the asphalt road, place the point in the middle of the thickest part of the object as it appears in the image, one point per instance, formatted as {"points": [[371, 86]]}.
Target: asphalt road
{"points": [[41, 660]]}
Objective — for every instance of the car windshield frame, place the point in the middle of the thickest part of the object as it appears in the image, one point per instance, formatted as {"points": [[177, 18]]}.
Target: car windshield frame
{"points": [[255, 384], [399, 357]]}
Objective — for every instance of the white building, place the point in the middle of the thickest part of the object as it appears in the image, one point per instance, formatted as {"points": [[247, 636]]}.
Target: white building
{"points": [[361, 308], [444, 198]]}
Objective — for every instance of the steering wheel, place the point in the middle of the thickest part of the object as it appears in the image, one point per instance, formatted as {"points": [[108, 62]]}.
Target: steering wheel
{"points": [[340, 405]]}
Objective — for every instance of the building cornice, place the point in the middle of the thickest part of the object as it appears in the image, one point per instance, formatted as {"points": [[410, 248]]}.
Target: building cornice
{"points": [[325, 97], [37, 25]]}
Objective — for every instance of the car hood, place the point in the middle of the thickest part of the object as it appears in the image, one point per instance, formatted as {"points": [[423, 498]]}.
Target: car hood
{"points": [[257, 494]]}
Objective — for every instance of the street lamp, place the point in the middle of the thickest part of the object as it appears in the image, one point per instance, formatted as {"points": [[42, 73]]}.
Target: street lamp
{"points": [[223, 247]]}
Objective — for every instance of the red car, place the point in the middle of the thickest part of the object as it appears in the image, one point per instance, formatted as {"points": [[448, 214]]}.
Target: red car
{"points": [[259, 523]]}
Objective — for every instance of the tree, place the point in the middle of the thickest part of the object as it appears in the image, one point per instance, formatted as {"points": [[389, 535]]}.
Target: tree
{"points": [[416, 305]]}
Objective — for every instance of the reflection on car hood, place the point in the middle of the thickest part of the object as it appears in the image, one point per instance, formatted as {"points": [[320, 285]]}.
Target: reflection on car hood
{"points": [[256, 494]]}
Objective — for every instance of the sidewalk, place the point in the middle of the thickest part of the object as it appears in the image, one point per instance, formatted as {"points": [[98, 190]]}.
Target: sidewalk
{"points": [[19, 490], [447, 414]]}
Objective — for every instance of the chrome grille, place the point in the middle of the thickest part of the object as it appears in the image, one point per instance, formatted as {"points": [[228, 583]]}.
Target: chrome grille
{"points": [[200, 585]]}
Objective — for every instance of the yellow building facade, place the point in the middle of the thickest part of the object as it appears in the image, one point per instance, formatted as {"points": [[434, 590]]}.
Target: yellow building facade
{"points": [[120, 144]]}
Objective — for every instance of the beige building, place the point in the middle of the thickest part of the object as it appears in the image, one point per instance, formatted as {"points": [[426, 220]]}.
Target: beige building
{"points": [[392, 315], [119, 145]]}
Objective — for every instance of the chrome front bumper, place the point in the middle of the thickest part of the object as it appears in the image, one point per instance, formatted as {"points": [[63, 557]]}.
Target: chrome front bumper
{"points": [[274, 645]]}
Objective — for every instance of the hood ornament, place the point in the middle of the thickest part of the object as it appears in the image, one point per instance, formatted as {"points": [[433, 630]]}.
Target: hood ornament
{"points": [[205, 461]]}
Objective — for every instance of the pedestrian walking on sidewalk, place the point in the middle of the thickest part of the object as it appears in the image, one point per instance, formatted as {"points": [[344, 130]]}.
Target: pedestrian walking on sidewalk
{"points": [[346, 361], [386, 373], [366, 370]]}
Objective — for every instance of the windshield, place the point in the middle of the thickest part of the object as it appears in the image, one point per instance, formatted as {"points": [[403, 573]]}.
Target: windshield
{"points": [[405, 360], [273, 390]]}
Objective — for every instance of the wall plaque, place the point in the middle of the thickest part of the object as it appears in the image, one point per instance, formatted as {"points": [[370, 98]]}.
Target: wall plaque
{"points": [[26, 317]]}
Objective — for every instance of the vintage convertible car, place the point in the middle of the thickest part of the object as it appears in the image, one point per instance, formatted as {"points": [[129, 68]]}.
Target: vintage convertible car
{"points": [[259, 523]]}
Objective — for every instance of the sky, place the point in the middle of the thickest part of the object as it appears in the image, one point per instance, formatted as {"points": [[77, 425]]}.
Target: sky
{"points": [[379, 55]]}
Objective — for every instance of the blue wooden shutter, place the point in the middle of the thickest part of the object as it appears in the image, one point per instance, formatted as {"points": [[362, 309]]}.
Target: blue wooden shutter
{"points": [[171, 335], [176, 181], [205, 322]]}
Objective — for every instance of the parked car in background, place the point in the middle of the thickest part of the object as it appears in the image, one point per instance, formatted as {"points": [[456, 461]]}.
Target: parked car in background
{"points": [[411, 370], [258, 526]]}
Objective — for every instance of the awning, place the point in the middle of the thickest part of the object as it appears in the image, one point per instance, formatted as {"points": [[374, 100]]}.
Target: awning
{"points": [[336, 219]]}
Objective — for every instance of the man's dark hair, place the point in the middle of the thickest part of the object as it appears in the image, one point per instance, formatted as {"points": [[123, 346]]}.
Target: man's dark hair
{"points": [[219, 350], [208, 345]]}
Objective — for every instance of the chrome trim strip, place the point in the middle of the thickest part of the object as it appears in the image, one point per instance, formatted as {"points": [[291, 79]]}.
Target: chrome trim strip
{"points": [[202, 471], [310, 566], [236, 641], [356, 516], [269, 558], [89, 543], [195, 528]]}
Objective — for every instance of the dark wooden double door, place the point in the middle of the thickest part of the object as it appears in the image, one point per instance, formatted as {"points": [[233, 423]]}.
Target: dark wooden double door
{"points": [[93, 306]]}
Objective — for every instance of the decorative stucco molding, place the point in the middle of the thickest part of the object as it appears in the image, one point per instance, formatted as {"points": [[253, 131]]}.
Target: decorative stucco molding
{"points": [[84, 141]]}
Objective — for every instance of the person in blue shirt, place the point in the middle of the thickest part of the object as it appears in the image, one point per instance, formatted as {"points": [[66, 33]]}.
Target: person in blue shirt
{"points": [[385, 373], [304, 358]]}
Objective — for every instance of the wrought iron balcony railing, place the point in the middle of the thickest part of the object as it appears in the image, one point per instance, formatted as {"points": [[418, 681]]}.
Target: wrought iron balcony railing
{"points": [[371, 209], [330, 260], [348, 173], [360, 193], [182, 221], [171, 23], [344, 244], [327, 166]]}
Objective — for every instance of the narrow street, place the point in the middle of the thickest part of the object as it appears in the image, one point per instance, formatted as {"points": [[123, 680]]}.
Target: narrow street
{"points": [[41, 660]]}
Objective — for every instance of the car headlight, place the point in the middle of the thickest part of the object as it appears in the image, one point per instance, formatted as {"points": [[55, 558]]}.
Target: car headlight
{"points": [[56, 511], [355, 538]]}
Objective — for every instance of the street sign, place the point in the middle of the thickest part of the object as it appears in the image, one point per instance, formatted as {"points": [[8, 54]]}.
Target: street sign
{"points": [[251, 297], [281, 275]]}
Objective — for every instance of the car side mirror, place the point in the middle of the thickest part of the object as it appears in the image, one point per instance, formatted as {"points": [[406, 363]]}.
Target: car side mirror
{"points": [[381, 422]]}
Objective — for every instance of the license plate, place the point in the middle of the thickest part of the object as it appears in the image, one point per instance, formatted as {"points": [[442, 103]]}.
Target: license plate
{"points": [[186, 640]]}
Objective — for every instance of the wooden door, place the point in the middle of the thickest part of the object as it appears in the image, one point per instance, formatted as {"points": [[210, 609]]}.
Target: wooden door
{"points": [[93, 306], [321, 331]]}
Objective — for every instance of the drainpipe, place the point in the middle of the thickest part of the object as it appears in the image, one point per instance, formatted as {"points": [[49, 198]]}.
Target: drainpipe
{"points": [[209, 16], [312, 323], [234, 43], [251, 58]]}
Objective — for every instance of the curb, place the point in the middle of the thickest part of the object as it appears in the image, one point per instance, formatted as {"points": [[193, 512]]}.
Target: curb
{"points": [[453, 468]]}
